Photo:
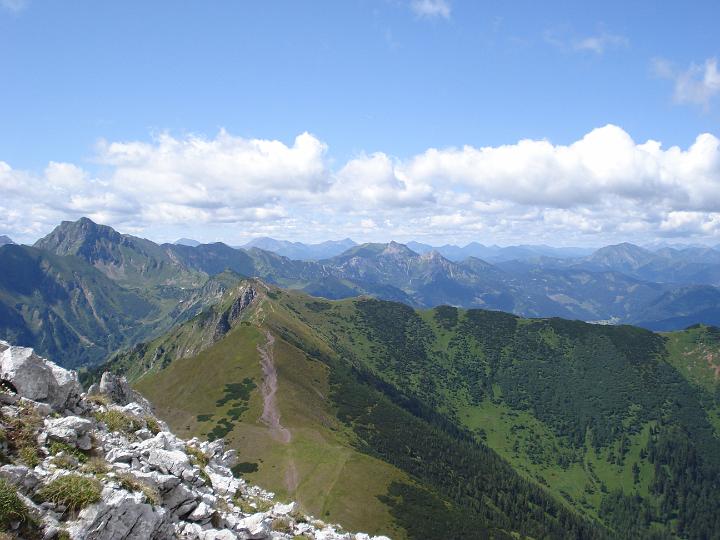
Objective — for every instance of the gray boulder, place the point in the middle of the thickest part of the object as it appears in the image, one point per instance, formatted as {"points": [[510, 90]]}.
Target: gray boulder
{"points": [[119, 515], [119, 391], [72, 430], [38, 379]]}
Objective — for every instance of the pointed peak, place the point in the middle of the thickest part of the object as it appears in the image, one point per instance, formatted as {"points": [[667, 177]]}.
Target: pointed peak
{"points": [[395, 248]]}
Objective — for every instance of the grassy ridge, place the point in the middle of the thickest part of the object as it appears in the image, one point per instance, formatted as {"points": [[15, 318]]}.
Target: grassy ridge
{"points": [[575, 407], [336, 482], [460, 422]]}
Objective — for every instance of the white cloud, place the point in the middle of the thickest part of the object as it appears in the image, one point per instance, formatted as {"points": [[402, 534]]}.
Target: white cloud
{"points": [[602, 186], [431, 8], [601, 42], [698, 84]]}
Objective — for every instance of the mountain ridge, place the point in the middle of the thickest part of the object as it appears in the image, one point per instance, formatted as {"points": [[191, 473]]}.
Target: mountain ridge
{"points": [[471, 374], [172, 279]]}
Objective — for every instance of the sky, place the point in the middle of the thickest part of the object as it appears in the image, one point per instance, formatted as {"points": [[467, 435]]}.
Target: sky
{"points": [[442, 121]]}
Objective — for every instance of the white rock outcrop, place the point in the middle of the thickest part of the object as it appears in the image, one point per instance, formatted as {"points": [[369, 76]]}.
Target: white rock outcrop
{"points": [[154, 485], [38, 379]]}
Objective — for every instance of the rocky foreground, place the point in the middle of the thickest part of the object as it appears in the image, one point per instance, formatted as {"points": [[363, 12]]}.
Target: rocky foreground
{"points": [[100, 465]]}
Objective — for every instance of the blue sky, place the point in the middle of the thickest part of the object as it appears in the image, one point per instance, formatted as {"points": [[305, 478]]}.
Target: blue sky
{"points": [[87, 87]]}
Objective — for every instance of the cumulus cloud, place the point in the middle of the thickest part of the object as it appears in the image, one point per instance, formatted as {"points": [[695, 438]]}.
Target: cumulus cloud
{"points": [[431, 8], [603, 186], [698, 84]]}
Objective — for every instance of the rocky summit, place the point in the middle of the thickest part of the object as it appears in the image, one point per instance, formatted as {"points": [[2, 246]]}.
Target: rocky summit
{"points": [[100, 465]]}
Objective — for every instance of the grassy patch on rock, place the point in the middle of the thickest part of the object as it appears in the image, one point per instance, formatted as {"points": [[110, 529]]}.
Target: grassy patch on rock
{"points": [[73, 491]]}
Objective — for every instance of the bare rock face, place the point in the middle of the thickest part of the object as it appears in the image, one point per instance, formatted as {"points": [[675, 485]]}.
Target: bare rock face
{"points": [[38, 379], [230, 316], [120, 514]]}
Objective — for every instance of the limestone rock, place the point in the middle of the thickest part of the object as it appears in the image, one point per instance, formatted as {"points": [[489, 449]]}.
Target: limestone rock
{"points": [[38, 379], [119, 391], [117, 516], [69, 429]]}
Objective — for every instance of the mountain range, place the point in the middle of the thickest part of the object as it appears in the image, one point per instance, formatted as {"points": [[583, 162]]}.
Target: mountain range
{"points": [[422, 397], [300, 251], [50, 292], [449, 423]]}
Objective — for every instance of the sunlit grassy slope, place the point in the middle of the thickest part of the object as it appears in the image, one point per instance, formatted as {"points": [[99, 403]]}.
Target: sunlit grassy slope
{"points": [[404, 420], [335, 482]]}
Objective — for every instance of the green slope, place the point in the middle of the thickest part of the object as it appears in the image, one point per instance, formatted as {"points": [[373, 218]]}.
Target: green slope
{"points": [[65, 308], [598, 414], [482, 420], [70, 311]]}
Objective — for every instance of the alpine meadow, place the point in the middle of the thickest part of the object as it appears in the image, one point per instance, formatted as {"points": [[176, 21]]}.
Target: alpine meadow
{"points": [[361, 270]]}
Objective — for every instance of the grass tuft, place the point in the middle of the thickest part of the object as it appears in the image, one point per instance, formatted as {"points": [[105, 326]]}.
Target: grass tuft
{"points": [[282, 525], [118, 421], [131, 483], [11, 507], [56, 447], [197, 456], [29, 456], [153, 425], [73, 491], [96, 466]]}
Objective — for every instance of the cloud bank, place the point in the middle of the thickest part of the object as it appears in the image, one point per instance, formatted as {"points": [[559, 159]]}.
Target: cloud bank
{"points": [[600, 188]]}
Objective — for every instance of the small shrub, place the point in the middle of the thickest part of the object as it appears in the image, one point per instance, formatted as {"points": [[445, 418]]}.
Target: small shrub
{"points": [[153, 425], [118, 421], [131, 483], [56, 447], [11, 507], [63, 535], [72, 491], [29, 456]]}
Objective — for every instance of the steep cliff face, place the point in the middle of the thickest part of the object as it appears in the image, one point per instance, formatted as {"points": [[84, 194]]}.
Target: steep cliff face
{"points": [[100, 465]]}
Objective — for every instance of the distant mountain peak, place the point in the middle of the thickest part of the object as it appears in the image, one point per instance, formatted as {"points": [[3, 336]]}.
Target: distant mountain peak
{"points": [[4, 240], [187, 242], [69, 237], [432, 255], [395, 248]]}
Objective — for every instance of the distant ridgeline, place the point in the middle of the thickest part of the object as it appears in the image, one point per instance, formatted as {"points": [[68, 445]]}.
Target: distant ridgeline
{"points": [[451, 423], [85, 290]]}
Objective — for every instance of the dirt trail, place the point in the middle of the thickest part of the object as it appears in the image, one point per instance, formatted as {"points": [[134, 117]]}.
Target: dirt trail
{"points": [[271, 413]]}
